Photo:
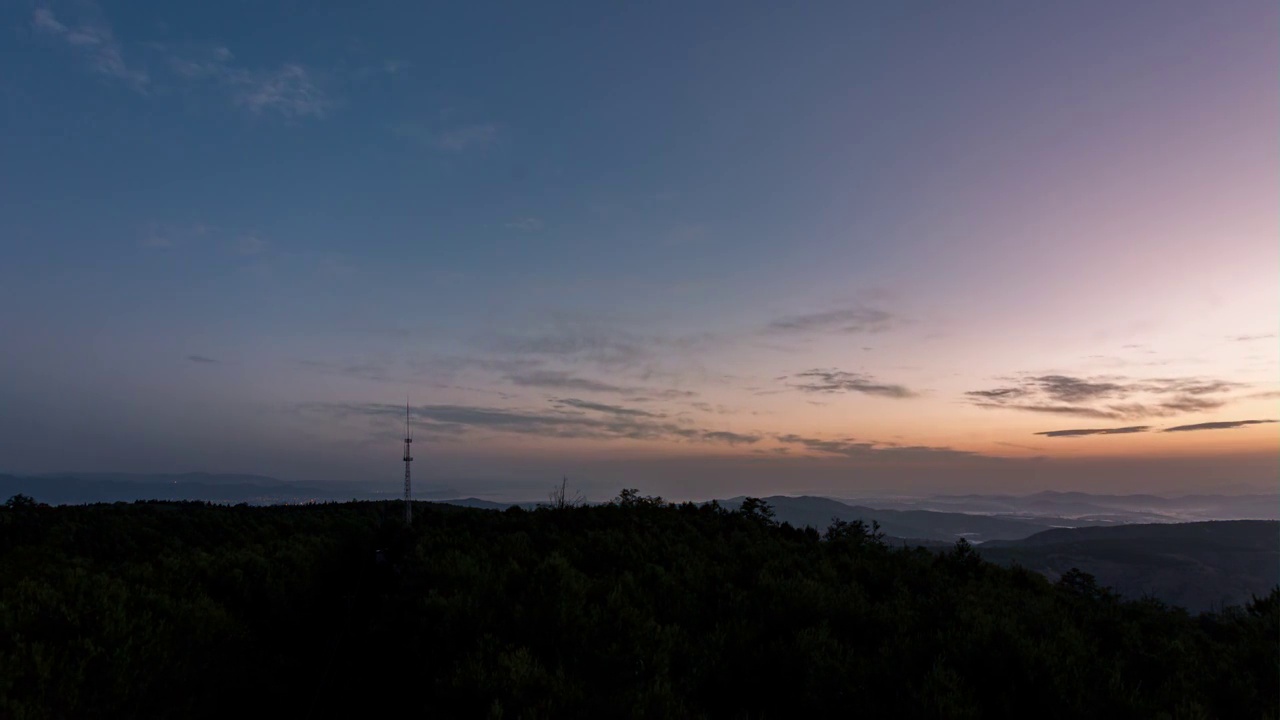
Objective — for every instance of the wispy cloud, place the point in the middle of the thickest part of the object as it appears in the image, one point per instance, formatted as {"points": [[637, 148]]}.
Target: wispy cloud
{"points": [[1224, 425], [289, 90], [576, 342], [1248, 338], [454, 139], [1073, 410], [1019, 446], [526, 224], [250, 244], [560, 380], [203, 359], [663, 394], [375, 370], [1096, 431], [999, 393], [839, 381], [1185, 404], [1107, 398], [159, 236], [598, 422], [1069, 389], [604, 408], [845, 321], [731, 438], [94, 40], [871, 450], [467, 136], [449, 140]]}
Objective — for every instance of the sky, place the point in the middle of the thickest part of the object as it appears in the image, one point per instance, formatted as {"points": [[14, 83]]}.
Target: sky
{"points": [[700, 249]]}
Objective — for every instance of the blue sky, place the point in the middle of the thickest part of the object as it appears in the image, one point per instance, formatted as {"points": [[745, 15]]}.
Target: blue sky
{"points": [[233, 233]]}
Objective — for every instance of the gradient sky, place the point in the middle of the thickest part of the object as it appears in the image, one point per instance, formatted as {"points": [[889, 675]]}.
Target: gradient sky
{"points": [[840, 248]]}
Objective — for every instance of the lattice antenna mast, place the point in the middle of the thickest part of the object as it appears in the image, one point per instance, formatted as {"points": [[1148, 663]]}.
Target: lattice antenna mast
{"points": [[408, 458]]}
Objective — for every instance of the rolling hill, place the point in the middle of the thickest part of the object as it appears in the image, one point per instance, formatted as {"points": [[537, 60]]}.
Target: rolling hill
{"points": [[1199, 566]]}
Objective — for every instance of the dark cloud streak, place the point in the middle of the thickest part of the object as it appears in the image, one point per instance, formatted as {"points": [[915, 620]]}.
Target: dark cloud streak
{"points": [[872, 450], [587, 420], [560, 380], [1096, 431], [604, 408], [1106, 398], [839, 381], [845, 322], [1222, 425]]}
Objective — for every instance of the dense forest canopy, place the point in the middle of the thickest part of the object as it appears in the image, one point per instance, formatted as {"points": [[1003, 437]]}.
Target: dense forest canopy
{"points": [[638, 608]]}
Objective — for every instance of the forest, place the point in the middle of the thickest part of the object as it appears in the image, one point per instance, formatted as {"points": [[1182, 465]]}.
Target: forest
{"points": [[638, 608]]}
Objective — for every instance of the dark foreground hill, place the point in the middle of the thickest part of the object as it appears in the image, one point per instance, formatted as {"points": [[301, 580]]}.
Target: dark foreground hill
{"points": [[634, 609], [1199, 566]]}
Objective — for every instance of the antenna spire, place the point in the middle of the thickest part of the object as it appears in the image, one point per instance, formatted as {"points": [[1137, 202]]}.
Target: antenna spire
{"points": [[408, 458]]}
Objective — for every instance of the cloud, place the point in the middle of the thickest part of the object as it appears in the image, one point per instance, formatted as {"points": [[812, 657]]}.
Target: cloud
{"points": [[707, 407], [873, 450], [565, 381], [561, 380], [576, 343], [1107, 398], [1224, 425], [1247, 338], [1187, 386], [94, 40], [202, 359], [999, 393], [1054, 409], [465, 137], [160, 237], [663, 394], [250, 245], [838, 381], [847, 321], [526, 224], [1069, 389], [364, 370], [601, 422], [604, 408], [289, 90], [731, 438], [1096, 431], [1018, 446], [1188, 403]]}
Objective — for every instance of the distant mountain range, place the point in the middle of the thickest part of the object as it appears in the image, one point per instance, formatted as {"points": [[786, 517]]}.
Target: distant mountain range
{"points": [[818, 512], [1080, 507], [1137, 544], [943, 518], [1198, 566]]}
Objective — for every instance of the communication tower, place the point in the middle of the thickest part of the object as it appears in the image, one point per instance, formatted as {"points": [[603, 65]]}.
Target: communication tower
{"points": [[408, 458]]}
